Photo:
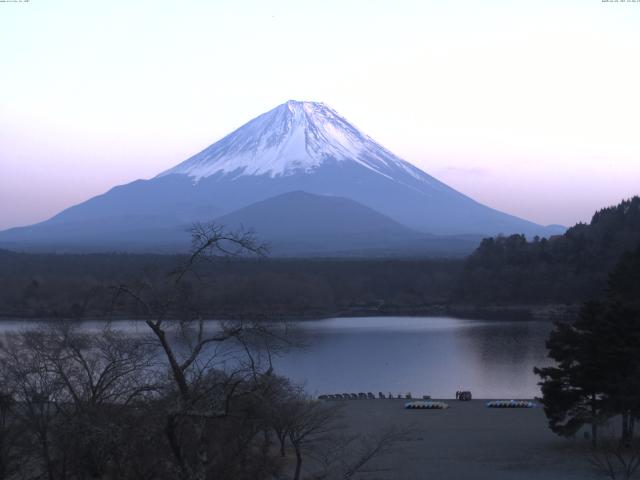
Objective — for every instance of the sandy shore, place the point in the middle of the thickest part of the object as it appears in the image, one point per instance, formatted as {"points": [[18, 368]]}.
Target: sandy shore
{"points": [[470, 441]]}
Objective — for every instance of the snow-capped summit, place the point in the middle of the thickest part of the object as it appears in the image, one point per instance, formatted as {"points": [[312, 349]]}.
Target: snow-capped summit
{"points": [[293, 137]]}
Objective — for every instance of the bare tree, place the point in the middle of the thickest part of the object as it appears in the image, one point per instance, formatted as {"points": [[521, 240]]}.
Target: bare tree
{"points": [[39, 394], [190, 399], [108, 367], [311, 421], [346, 456], [207, 240], [10, 436], [616, 459], [70, 388], [202, 383], [281, 413]]}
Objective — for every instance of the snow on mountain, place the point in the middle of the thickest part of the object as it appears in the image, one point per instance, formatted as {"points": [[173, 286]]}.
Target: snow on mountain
{"points": [[292, 138], [296, 147]]}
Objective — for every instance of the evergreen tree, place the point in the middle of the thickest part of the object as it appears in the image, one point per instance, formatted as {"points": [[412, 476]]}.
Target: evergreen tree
{"points": [[624, 281], [597, 371], [572, 391]]}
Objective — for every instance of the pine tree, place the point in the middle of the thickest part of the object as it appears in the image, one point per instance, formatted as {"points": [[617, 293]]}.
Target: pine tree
{"points": [[597, 371], [573, 391]]}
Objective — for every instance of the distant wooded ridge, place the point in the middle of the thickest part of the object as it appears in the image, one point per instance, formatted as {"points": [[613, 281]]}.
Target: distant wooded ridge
{"points": [[503, 271], [565, 268]]}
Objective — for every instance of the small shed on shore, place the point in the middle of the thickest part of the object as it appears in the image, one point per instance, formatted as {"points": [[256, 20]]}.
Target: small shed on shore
{"points": [[465, 396]]}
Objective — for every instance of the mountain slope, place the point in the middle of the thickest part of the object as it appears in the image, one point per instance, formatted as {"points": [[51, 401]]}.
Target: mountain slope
{"points": [[297, 223], [298, 146], [296, 214]]}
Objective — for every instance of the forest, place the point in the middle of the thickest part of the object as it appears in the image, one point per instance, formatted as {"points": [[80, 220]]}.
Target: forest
{"points": [[503, 272], [562, 269], [76, 286]]}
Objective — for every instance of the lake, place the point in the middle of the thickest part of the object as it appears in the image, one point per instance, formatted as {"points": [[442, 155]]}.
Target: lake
{"points": [[423, 355]]}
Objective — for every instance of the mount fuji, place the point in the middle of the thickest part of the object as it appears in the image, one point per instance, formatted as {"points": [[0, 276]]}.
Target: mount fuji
{"points": [[303, 147]]}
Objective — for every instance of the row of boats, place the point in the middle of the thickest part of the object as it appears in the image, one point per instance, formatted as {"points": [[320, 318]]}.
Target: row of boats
{"points": [[433, 405], [420, 405], [511, 404], [426, 403], [365, 396]]}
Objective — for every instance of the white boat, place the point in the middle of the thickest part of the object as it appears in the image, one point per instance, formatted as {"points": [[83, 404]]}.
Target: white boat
{"points": [[422, 404]]}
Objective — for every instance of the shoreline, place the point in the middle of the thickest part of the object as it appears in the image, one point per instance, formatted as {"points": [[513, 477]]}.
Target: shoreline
{"points": [[550, 312]]}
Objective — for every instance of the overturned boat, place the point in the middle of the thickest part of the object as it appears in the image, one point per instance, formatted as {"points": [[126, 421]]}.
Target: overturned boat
{"points": [[428, 405], [510, 404]]}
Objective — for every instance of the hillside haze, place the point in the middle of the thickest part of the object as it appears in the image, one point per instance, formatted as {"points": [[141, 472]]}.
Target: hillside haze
{"points": [[296, 147]]}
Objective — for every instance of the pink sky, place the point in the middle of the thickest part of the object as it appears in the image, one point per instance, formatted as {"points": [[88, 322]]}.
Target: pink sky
{"points": [[529, 108]]}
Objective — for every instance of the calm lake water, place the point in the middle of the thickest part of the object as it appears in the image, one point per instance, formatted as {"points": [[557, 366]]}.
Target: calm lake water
{"points": [[423, 355]]}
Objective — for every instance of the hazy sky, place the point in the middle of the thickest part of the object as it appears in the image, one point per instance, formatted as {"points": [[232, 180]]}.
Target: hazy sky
{"points": [[529, 106]]}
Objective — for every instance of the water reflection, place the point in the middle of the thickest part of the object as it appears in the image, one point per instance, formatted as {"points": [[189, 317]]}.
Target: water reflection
{"points": [[434, 356], [429, 355]]}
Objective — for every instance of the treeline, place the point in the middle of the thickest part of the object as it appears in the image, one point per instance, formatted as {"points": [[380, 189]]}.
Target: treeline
{"points": [[76, 286], [562, 269]]}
